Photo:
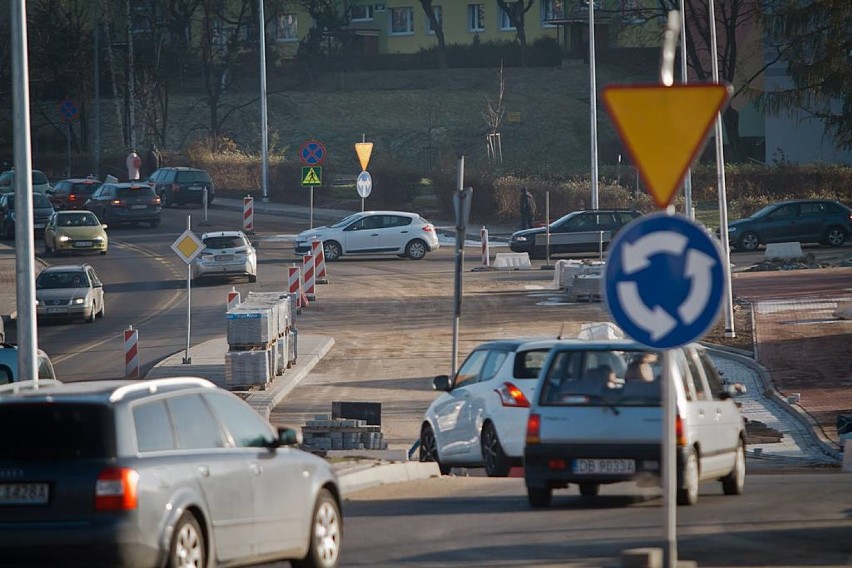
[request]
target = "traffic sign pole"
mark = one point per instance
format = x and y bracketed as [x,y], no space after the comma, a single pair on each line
[187,359]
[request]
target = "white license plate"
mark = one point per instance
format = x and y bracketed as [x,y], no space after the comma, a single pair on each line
[24,493]
[223,257]
[142,206]
[57,310]
[194,188]
[604,466]
[81,244]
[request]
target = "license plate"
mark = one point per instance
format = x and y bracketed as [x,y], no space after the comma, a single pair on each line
[24,493]
[194,188]
[604,466]
[57,310]
[81,244]
[38,225]
[223,257]
[141,206]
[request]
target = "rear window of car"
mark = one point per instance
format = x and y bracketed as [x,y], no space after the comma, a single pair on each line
[39,201]
[529,363]
[138,191]
[193,176]
[223,242]
[85,188]
[51,431]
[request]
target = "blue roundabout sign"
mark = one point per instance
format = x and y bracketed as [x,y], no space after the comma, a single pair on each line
[664,280]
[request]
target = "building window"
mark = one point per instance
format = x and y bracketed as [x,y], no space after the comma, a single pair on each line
[552,10]
[362,13]
[402,21]
[476,17]
[439,16]
[505,20]
[287,28]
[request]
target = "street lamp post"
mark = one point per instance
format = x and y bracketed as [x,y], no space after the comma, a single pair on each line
[263,117]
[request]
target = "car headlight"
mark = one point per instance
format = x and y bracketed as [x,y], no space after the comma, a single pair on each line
[78,301]
[98,239]
[520,238]
[732,230]
[64,238]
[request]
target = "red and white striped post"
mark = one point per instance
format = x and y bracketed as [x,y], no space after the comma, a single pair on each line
[319,262]
[248,213]
[131,353]
[233,298]
[309,277]
[295,287]
[486,257]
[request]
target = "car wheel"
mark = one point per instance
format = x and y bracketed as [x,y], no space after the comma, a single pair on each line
[688,493]
[91,318]
[331,250]
[734,482]
[415,250]
[536,253]
[835,237]
[749,241]
[166,199]
[47,249]
[102,311]
[103,252]
[429,449]
[590,489]
[252,277]
[497,464]
[326,534]
[539,497]
[187,549]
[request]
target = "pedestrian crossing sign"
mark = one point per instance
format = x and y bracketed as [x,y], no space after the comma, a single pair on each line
[312,175]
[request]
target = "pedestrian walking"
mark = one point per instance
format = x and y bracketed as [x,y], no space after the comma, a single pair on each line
[153,159]
[527,208]
[134,163]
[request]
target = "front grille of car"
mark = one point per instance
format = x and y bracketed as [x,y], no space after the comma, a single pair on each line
[55,302]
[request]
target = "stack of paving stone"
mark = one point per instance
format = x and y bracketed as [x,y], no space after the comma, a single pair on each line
[327,433]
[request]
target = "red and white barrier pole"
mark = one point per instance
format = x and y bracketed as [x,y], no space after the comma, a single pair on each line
[295,287]
[319,262]
[483,236]
[248,213]
[131,353]
[233,299]
[309,277]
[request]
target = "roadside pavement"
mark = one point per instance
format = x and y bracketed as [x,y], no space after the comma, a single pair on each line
[803,441]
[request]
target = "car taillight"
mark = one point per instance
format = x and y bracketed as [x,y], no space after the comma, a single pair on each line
[428,228]
[117,202]
[680,438]
[175,187]
[155,201]
[510,395]
[534,429]
[72,197]
[116,489]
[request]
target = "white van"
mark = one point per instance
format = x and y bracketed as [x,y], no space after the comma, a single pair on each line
[597,419]
[9,365]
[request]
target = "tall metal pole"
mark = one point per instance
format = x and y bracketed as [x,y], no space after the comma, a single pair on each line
[24,241]
[720,182]
[264,152]
[187,359]
[593,96]
[96,166]
[687,182]
[131,83]
[458,269]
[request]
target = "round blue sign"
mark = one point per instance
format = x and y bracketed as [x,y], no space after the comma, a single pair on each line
[664,280]
[312,153]
[68,110]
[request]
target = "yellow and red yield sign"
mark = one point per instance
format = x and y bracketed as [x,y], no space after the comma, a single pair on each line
[664,128]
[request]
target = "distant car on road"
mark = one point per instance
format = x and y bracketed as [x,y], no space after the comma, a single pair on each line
[130,202]
[75,231]
[586,231]
[72,193]
[69,291]
[164,472]
[820,221]
[373,232]
[226,253]
[42,210]
[182,185]
[39,180]
[480,417]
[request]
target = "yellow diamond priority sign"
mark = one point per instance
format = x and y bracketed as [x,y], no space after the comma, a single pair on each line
[188,246]
[664,128]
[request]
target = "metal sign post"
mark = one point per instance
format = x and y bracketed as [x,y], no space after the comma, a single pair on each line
[187,247]
[461,203]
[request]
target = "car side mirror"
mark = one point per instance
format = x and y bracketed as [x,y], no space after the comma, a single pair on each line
[288,437]
[104,226]
[441,383]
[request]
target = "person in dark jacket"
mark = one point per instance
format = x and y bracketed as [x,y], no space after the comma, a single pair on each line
[153,160]
[527,207]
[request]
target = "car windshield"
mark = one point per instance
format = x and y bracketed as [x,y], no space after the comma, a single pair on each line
[223,242]
[39,201]
[55,431]
[81,219]
[346,220]
[62,279]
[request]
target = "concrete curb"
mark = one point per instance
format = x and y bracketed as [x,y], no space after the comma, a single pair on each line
[384,473]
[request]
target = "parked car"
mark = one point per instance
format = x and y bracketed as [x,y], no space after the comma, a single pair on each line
[480,417]
[373,232]
[130,202]
[181,185]
[597,413]
[72,193]
[800,220]
[587,231]
[75,231]
[162,472]
[226,253]
[42,210]
[40,182]
[9,364]
[69,291]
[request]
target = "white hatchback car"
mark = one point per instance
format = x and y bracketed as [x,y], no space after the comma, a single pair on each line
[597,418]
[480,418]
[226,253]
[373,232]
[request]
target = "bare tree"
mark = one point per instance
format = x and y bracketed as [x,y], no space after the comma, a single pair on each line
[437,26]
[495,109]
[516,11]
